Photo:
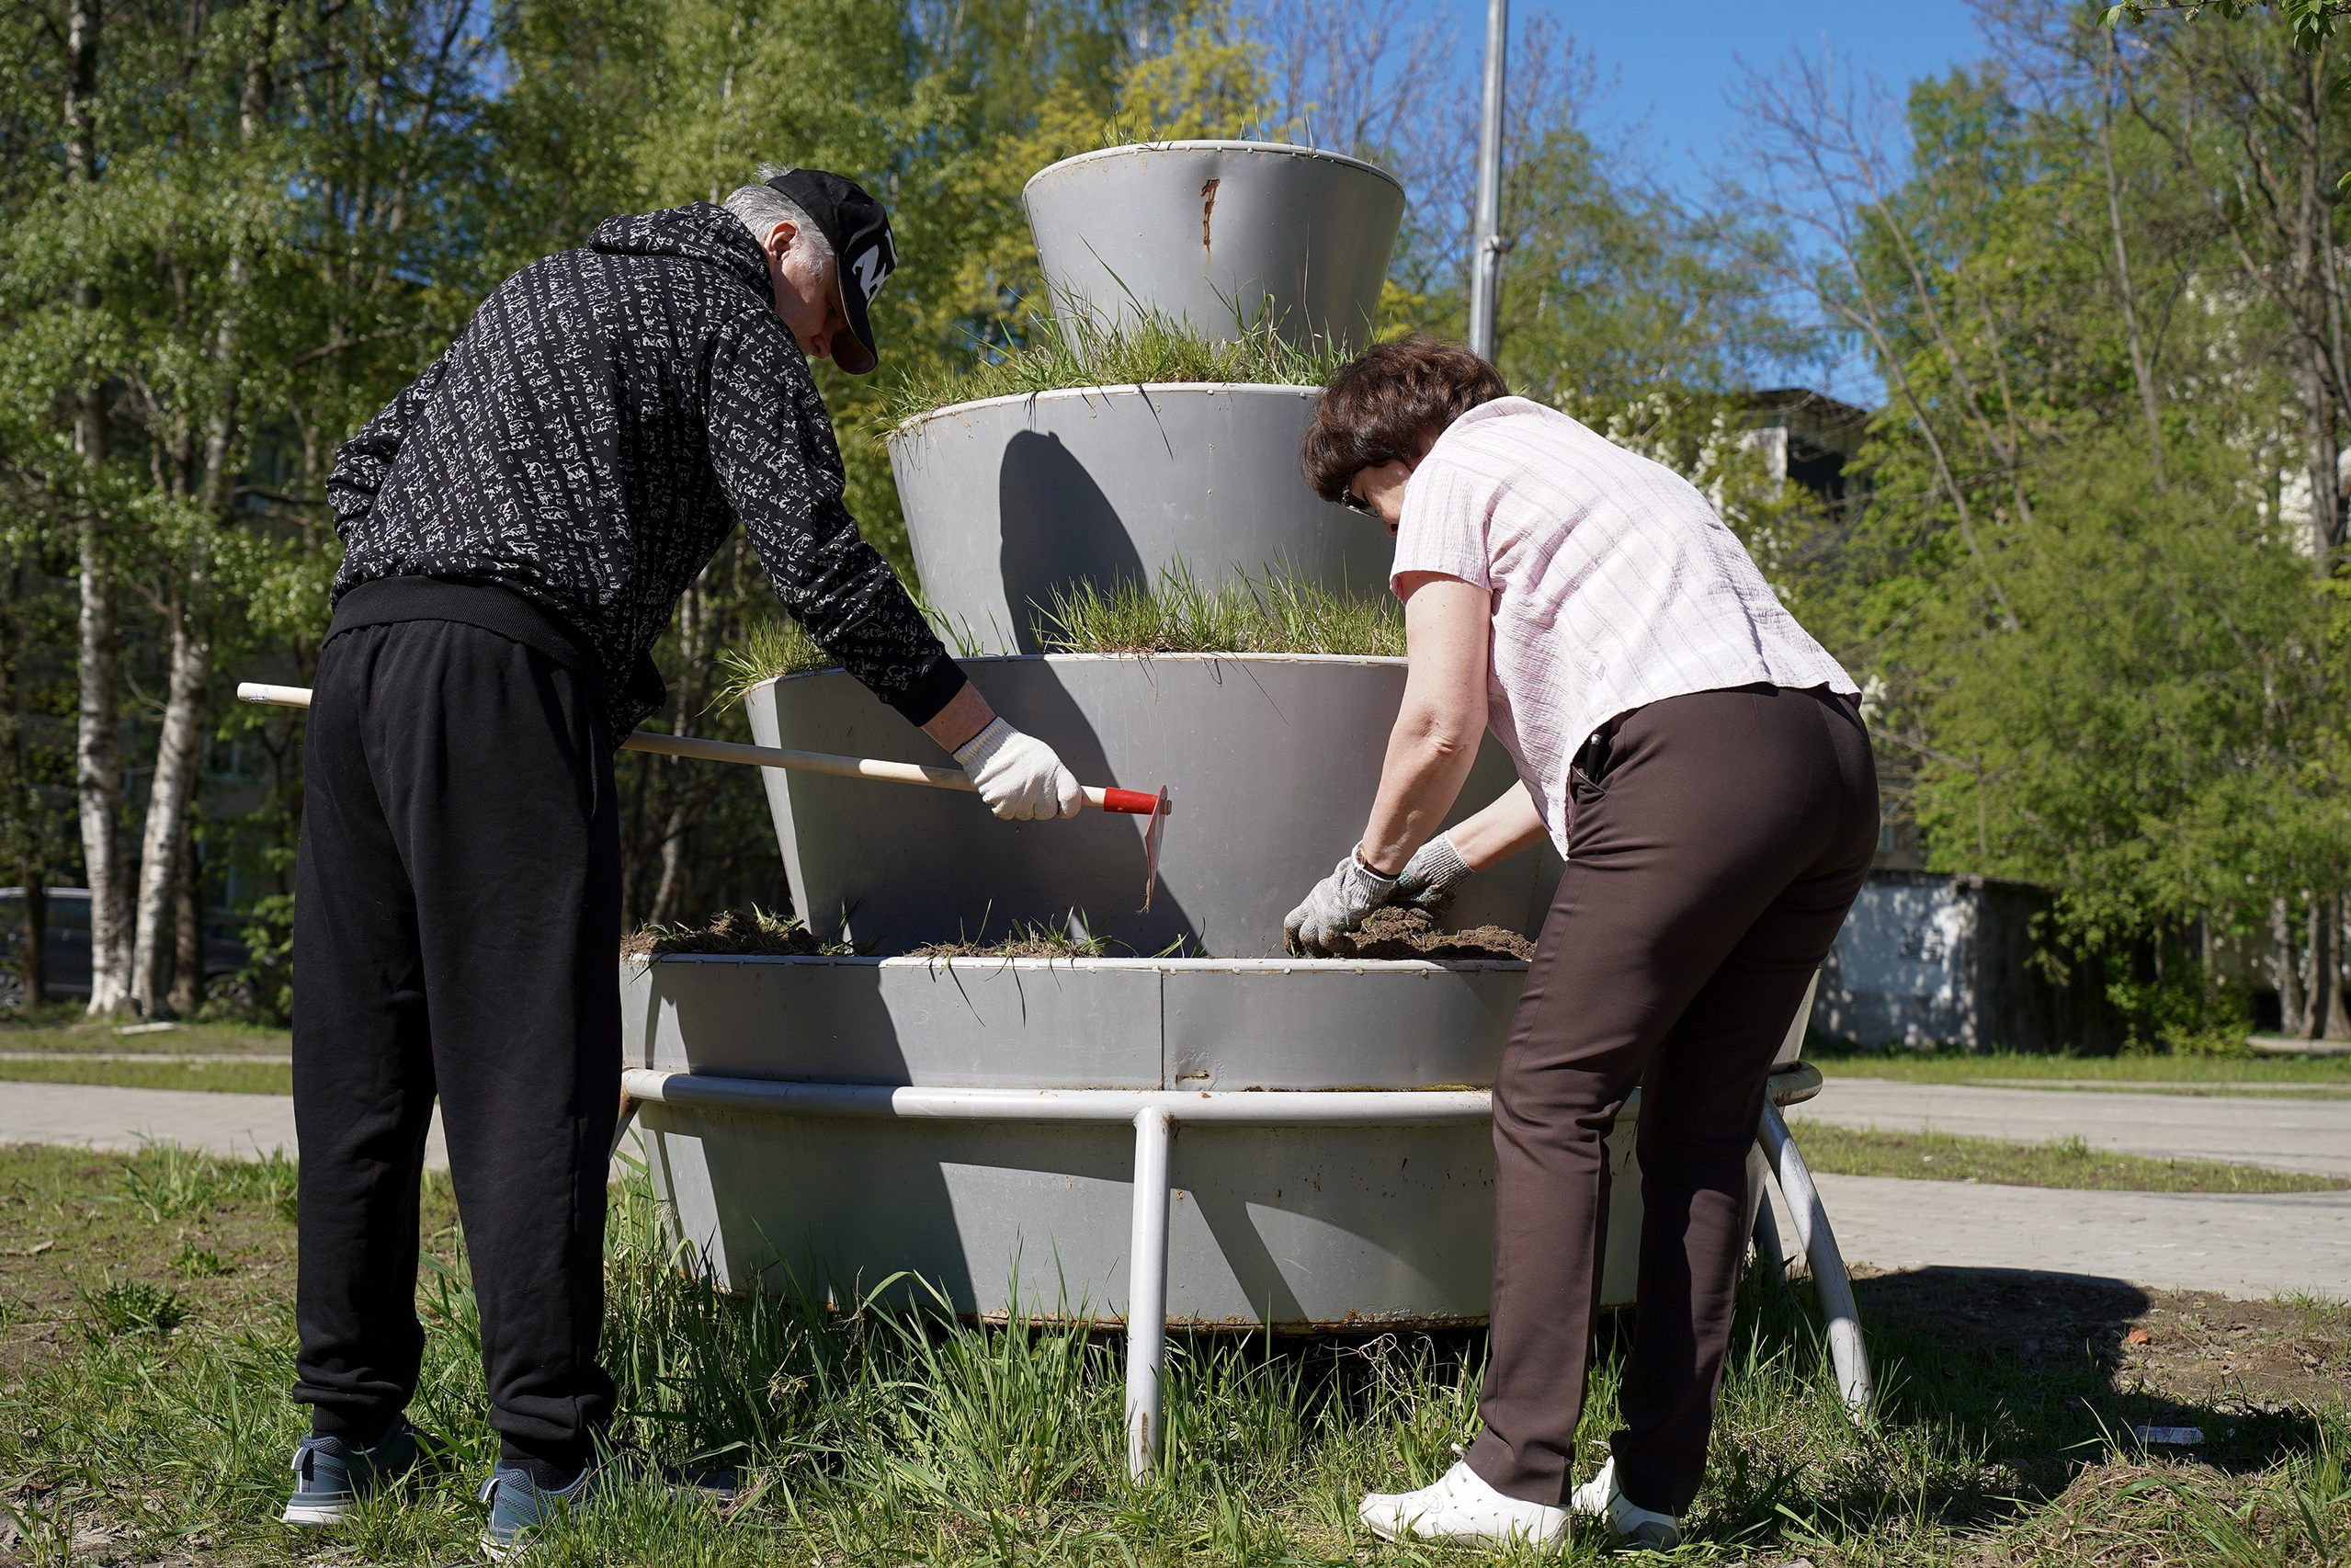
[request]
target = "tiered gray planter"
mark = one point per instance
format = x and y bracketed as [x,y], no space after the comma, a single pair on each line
[1272,762]
[1218,232]
[1008,1130]
[1010,499]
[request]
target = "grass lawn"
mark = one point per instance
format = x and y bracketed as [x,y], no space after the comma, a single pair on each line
[218,1078]
[2325,1075]
[63,1029]
[146,1344]
[2068,1162]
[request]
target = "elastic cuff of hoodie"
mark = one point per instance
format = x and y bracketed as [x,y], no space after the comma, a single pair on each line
[928,695]
[383,601]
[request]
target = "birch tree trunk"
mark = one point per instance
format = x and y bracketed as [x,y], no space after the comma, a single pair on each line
[2327,1018]
[187,924]
[171,797]
[2288,966]
[2338,1021]
[97,745]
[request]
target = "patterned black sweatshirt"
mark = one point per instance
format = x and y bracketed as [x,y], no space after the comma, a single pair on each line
[590,436]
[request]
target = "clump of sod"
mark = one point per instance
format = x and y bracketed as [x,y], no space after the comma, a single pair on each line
[751,930]
[1088,350]
[1026,941]
[1396,933]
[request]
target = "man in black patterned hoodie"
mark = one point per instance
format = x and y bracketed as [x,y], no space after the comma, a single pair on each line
[517,526]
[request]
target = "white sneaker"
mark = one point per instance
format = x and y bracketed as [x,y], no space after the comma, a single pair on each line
[1599,1498]
[1460,1508]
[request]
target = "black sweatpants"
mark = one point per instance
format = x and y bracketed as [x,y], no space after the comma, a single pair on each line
[1709,866]
[457,918]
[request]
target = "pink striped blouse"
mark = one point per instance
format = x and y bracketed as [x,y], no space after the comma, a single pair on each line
[1613,584]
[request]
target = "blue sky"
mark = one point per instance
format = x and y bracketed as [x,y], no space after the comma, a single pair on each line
[1675,61]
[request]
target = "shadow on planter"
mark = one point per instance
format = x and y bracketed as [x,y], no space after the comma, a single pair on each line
[1058,531]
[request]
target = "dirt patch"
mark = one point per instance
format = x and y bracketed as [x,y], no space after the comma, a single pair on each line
[2188,1348]
[1413,934]
[750,930]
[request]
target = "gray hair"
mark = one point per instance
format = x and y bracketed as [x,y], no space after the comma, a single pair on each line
[761,208]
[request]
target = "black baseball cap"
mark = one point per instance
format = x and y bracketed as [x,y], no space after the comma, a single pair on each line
[858,231]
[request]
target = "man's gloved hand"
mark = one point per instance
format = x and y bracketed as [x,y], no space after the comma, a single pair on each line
[1430,877]
[1018,776]
[1340,903]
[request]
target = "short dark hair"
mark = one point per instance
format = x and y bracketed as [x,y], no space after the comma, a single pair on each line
[1389,405]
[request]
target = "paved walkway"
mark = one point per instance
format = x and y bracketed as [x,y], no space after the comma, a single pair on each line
[2294,1135]
[2238,1245]
[2231,1243]
[89,1117]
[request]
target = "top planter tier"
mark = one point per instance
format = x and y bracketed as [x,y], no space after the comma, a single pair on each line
[1218,232]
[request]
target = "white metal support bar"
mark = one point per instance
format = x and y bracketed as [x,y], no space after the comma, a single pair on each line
[1813,1233]
[1153,1113]
[1147,1292]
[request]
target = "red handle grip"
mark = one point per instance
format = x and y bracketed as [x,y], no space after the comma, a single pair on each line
[1134,802]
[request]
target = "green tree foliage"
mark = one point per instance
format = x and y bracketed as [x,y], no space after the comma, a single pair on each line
[2097,592]
[2311,22]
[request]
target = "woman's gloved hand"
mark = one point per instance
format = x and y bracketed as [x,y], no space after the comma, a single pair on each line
[1430,877]
[1019,775]
[1340,903]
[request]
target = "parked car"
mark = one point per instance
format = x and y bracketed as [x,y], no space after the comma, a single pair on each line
[68,949]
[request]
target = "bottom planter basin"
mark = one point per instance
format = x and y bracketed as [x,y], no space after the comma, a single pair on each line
[1295,1227]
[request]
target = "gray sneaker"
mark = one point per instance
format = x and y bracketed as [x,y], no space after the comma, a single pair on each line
[519,1505]
[331,1475]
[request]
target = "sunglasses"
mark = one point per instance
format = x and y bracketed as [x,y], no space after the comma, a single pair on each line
[1349,499]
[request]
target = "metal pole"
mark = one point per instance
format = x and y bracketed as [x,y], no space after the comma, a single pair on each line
[1829,1279]
[1485,256]
[1147,1292]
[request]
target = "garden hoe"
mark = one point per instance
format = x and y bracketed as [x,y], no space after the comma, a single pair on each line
[1131,802]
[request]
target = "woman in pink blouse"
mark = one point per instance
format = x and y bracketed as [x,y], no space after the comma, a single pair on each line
[1701,761]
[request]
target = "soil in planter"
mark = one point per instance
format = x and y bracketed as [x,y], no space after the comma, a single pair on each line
[1413,934]
[1389,934]
[750,930]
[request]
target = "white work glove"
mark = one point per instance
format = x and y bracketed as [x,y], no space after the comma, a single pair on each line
[1429,877]
[1018,776]
[1340,903]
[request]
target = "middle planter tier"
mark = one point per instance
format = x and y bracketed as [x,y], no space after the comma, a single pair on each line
[1011,498]
[1271,760]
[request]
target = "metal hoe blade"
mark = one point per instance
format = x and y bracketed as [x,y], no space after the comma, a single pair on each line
[1150,846]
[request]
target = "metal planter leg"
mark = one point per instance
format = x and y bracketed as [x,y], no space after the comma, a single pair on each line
[1147,1292]
[1813,1233]
[1771,1256]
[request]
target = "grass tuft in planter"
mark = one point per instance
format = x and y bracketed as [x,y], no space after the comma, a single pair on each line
[1091,350]
[774,648]
[771,648]
[1279,613]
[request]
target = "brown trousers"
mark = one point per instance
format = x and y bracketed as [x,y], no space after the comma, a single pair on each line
[1709,866]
